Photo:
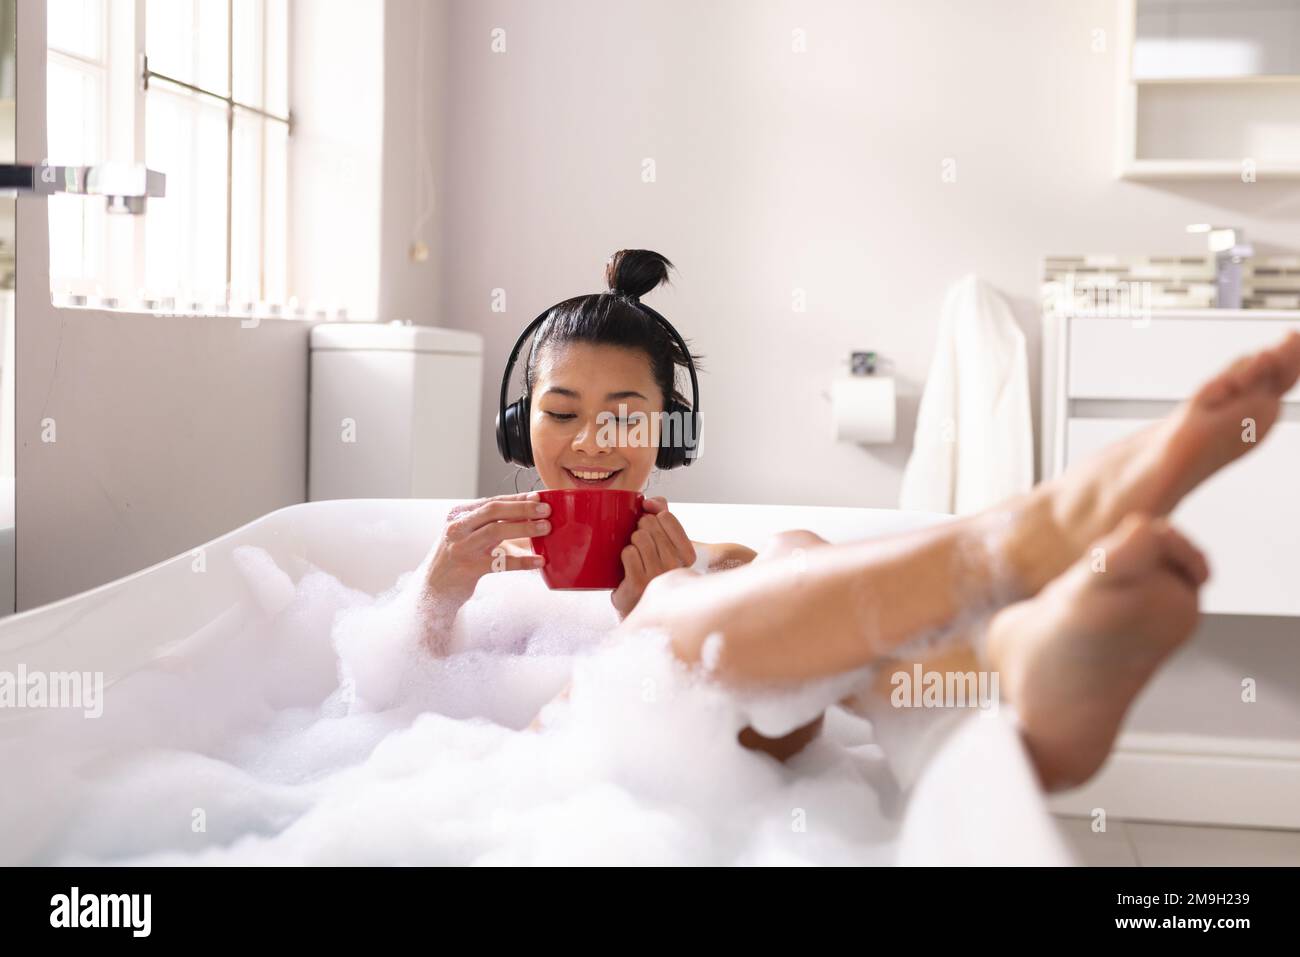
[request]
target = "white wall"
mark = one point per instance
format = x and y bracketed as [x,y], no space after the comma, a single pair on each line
[414,51]
[779,170]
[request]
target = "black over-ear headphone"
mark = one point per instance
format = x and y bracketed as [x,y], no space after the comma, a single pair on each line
[676,448]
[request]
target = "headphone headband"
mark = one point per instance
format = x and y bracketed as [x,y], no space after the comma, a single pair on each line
[691,442]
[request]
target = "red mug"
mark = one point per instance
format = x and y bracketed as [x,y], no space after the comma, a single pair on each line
[590,527]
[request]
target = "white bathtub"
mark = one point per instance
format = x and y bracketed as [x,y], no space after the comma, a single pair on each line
[976,801]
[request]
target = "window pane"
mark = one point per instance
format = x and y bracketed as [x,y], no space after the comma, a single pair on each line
[179,247]
[277,56]
[276,205]
[74,113]
[77,26]
[76,249]
[246,211]
[75,130]
[186,39]
[185,233]
[247,51]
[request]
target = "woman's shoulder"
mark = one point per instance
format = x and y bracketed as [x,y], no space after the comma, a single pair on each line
[719,556]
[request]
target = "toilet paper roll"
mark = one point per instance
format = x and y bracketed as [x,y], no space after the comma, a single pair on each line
[862,408]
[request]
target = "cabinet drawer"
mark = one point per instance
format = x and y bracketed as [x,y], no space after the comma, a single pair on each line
[1246,518]
[1161,358]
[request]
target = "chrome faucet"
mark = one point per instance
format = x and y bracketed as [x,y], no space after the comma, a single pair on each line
[1228,243]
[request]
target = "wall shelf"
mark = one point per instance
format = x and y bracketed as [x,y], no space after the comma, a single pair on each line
[1243,128]
[1162,169]
[1176,80]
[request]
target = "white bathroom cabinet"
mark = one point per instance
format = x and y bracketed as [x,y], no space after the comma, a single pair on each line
[1105,378]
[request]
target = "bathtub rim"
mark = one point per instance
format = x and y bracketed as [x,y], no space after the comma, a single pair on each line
[923,519]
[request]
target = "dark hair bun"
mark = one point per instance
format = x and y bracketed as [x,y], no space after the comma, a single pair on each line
[634,272]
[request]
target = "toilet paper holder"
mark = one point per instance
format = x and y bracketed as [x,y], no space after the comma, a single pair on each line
[863,404]
[862,363]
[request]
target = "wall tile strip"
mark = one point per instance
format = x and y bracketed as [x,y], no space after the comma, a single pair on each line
[1168,281]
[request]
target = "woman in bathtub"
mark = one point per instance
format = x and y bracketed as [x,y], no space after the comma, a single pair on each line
[1074,638]
[595,357]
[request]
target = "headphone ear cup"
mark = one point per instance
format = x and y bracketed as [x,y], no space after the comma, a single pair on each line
[503,447]
[514,441]
[675,446]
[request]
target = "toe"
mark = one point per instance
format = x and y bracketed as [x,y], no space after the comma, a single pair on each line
[1263,371]
[1224,386]
[1287,356]
[1273,370]
[1183,557]
[1141,544]
[1276,369]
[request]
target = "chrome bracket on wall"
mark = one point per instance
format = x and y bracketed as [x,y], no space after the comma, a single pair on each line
[126,186]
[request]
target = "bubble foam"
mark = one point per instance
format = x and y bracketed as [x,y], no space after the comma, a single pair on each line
[318,730]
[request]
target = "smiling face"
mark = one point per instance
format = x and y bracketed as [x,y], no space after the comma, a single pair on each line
[580,392]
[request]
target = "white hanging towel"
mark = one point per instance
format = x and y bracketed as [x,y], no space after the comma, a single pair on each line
[974,443]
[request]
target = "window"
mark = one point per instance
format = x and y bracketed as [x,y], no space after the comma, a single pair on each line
[197,89]
[78,111]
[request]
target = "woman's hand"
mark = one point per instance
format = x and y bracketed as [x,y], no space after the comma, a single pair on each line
[471,543]
[659,545]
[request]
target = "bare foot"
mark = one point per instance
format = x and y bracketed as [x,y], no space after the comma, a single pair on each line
[1072,660]
[1151,472]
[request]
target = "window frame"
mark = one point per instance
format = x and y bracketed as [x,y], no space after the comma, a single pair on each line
[123,133]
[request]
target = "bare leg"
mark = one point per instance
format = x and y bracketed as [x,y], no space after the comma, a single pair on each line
[786,746]
[832,609]
[1072,659]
